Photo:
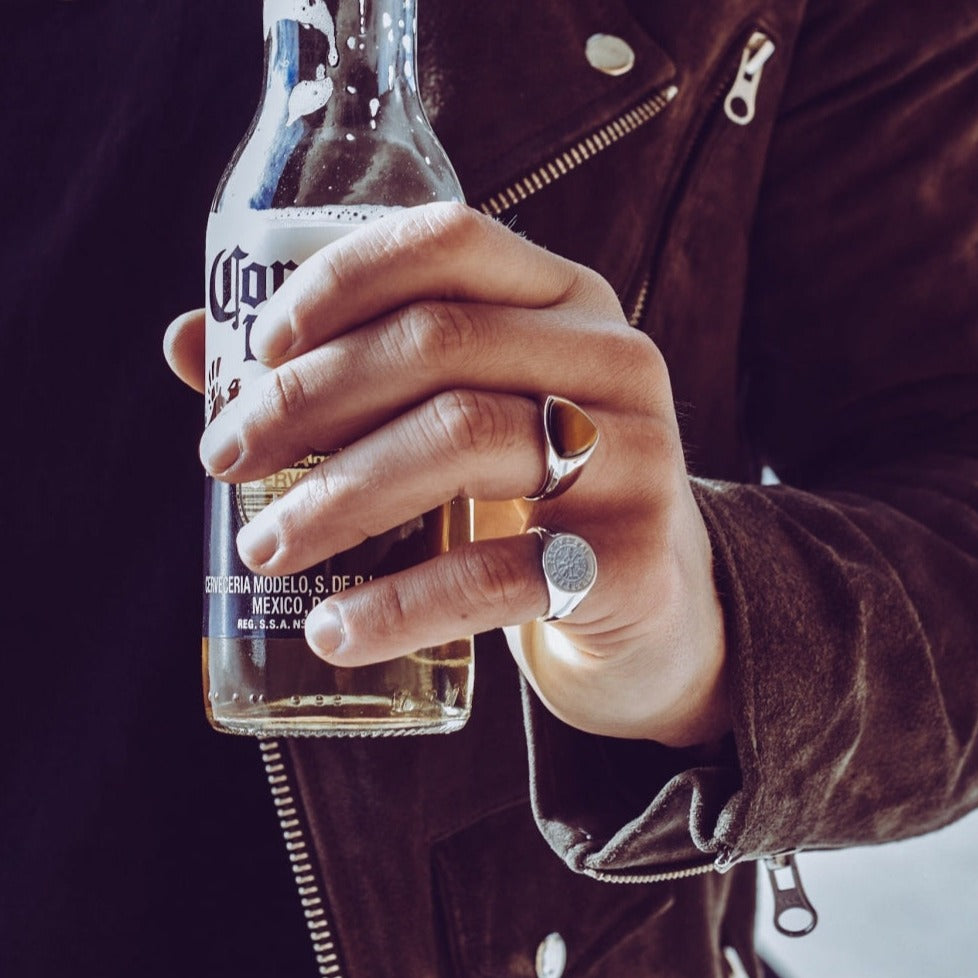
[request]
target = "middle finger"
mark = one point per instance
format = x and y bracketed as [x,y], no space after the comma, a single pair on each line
[330,396]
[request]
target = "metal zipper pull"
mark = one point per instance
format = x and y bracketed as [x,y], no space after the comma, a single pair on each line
[789,897]
[741,100]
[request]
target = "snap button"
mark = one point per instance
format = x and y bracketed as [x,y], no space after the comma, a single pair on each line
[551,957]
[609,54]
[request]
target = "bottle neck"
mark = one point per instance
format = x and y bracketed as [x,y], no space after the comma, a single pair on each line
[341,121]
[354,70]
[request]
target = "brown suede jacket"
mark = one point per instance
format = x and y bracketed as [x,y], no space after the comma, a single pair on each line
[808,268]
[810,276]
[811,279]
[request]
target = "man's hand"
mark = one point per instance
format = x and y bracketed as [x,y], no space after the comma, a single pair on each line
[424,344]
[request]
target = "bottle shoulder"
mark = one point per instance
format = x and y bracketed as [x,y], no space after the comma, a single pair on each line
[281,164]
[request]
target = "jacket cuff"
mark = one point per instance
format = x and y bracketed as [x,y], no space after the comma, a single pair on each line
[590,797]
[834,683]
[634,809]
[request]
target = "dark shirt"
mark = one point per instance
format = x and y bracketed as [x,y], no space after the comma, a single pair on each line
[136,841]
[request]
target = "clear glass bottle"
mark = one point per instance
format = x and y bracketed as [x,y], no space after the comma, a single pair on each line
[340,138]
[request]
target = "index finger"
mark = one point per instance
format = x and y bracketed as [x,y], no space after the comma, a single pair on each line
[438,251]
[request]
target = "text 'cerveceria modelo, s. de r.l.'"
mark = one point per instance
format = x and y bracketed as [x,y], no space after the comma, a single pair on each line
[316,585]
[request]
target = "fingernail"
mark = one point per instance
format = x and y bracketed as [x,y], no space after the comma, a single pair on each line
[258,542]
[219,448]
[325,632]
[271,339]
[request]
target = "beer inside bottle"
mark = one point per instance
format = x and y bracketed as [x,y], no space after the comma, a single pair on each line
[340,139]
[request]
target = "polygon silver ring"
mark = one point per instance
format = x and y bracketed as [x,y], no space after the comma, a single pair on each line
[570,568]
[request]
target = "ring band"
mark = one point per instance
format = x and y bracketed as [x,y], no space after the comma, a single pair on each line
[570,568]
[570,436]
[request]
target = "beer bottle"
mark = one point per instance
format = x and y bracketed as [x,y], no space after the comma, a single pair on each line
[339,138]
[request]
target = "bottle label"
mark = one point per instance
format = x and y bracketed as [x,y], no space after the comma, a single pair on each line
[249,256]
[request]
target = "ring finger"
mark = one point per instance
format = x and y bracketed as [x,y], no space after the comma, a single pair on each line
[459,443]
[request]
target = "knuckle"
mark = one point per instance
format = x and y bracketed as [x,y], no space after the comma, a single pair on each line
[593,290]
[468,422]
[285,396]
[288,529]
[645,378]
[323,273]
[451,223]
[326,488]
[659,453]
[482,581]
[387,607]
[643,354]
[435,228]
[319,488]
[429,337]
[326,268]
[441,334]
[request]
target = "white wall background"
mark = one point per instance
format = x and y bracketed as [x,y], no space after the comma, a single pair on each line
[904,910]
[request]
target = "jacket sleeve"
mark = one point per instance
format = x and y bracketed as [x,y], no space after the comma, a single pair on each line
[851,588]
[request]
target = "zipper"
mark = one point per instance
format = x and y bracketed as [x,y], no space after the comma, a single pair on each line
[312,897]
[741,100]
[583,150]
[791,897]
[665,877]
[788,897]
[738,92]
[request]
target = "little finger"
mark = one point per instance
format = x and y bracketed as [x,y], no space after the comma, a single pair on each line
[464,592]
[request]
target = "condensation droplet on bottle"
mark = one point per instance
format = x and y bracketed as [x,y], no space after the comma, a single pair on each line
[253,698]
[296,700]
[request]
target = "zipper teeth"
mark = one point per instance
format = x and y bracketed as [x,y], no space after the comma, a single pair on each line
[676,874]
[714,100]
[638,308]
[582,151]
[310,894]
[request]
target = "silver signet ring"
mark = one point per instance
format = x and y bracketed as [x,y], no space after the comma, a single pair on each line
[570,568]
[570,436]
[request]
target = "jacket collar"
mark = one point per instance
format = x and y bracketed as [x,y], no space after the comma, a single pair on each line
[534,54]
